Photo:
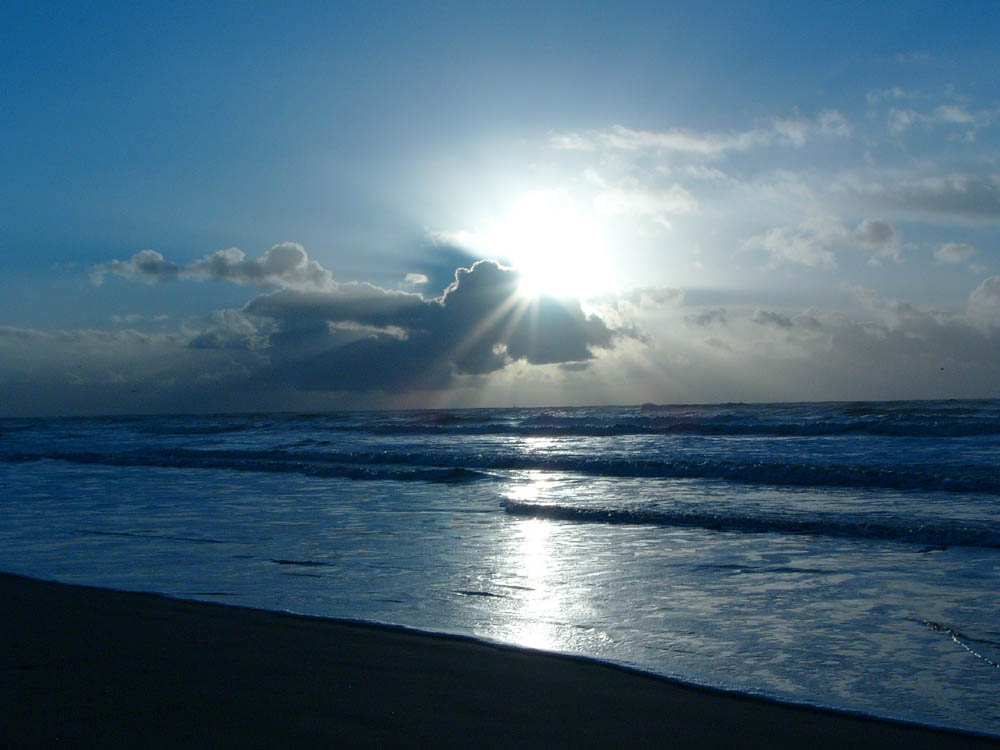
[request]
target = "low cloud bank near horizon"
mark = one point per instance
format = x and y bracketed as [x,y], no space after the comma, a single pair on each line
[318,334]
[310,342]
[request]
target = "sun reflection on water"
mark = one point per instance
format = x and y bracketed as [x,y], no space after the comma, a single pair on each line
[536,623]
[532,566]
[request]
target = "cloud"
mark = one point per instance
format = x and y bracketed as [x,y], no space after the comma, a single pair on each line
[984,302]
[145,265]
[953,114]
[954,252]
[705,318]
[793,131]
[639,201]
[964,194]
[790,245]
[876,235]
[770,318]
[284,266]
[901,120]
[661,296]
[832,122]
[229,329]
[361,337]
[323,335]
[816,243]
[892,350]
[675,139]
[876,96]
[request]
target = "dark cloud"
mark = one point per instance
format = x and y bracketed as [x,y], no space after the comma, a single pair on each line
[707,317]
[321,335]
[438,263]
[362,337]
[967,195]
[877,234]
[768,318]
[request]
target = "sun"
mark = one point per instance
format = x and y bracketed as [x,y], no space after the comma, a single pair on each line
[558,248]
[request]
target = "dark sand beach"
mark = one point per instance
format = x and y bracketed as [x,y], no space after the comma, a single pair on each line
[87,666]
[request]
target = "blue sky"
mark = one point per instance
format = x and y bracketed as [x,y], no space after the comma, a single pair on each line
[259,206]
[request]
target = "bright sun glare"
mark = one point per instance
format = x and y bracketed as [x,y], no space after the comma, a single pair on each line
[559,249]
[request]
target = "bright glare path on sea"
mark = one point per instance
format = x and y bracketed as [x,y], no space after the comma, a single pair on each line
[823,619]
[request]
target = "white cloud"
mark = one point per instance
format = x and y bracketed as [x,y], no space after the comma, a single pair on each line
[284,266]
[953,114]
[832,122]
[793,131]
[875,96]
[815,243]
[954,252]
[790,245]
[984,302]
[900,120]
[638,201]
[146,265]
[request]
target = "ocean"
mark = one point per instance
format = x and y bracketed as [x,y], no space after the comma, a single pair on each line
[836,554]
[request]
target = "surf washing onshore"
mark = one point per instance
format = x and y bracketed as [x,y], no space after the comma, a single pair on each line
[835,555]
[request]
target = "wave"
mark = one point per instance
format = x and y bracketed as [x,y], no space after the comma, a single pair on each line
[917,419]
[239,462]
[931,534]
[581,427]
[461,466]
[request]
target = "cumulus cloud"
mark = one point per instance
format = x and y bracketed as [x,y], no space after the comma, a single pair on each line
[146,265]
[875,234]
[284,266]
[984,302]
[954,252]
[358,336]
[791,245]
[323,335]
[816,243]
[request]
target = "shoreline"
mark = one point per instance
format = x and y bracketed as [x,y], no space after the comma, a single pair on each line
[82,665]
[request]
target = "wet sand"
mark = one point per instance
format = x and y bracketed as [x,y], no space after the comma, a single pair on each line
[87,666]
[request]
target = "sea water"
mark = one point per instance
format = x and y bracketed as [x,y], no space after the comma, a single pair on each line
[839,554]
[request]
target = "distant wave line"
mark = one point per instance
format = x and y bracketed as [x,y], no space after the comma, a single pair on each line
[444,466]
